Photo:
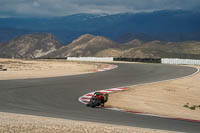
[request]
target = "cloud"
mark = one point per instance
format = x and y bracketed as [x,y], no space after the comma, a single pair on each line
[67,7]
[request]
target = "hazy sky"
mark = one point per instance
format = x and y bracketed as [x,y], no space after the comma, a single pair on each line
[67,7]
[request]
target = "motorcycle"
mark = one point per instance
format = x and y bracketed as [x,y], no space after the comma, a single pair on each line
[94,101]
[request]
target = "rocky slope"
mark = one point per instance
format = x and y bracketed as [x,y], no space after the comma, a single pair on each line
[157,49]
[30,46]
[86,45]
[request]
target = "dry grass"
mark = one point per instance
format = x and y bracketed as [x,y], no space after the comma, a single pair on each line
[164,98]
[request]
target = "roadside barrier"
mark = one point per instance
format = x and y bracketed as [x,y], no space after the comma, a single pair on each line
[180,61]
[90,58]
[161,60]
[146,60]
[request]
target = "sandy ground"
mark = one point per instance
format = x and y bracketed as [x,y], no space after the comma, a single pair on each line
[23,69]
[12,123]
[165,98]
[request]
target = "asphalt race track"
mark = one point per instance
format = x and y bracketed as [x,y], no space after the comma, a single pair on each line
[58,97]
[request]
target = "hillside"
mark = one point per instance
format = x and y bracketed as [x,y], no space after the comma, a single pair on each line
[157,49]
[30,46]
[90,45]
[86,45]
[46,46]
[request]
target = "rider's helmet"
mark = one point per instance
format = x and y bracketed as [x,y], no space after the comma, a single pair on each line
[97,93]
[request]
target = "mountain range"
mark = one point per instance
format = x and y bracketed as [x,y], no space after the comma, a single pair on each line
[174,25]
[47,46]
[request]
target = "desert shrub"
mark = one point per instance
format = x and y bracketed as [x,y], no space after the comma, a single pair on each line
[193,107]
[186,106]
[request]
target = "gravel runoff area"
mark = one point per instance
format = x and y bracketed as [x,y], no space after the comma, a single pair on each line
[17,123]
[177,98]
[23,69]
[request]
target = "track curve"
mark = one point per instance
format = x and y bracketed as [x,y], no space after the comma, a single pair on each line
[57,97]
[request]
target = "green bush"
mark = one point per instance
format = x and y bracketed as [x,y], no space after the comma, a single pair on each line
[193,107]
[186,106]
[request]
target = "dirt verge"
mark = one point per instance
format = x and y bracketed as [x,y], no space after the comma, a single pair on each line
[16,123]
[173,98]
[23,69]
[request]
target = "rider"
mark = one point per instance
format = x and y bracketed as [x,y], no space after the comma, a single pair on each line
[102,97]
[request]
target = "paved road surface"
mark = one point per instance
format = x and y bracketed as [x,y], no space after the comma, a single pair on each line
[58,97]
